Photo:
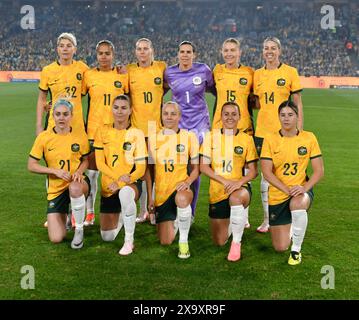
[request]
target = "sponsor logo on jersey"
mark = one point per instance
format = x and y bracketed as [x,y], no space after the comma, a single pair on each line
[281,82]
[118,84]
[238,150]
[127,146]
[197,81]
[302,151]
[157,80]
[79,76]
[243,81]
[75,147]
[180,148]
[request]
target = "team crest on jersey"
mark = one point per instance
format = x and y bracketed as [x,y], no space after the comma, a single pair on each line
[197,81]
[75,147]
[238,150]
[302,151]
[79,76]
[127,146]
[180,148]
[243,81]
[281,82]
[118,84]
[157,80]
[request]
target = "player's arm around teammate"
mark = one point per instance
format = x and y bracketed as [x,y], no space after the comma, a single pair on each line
[284,160]
[171,151]
[121,158]
[65,154]
[224,154]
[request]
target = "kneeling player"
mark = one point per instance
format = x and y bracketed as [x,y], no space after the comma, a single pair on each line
[224,155]
[121,154]
[66,157]
[173,151]
[284,159]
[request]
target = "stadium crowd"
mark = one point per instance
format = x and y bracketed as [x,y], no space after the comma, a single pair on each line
[313,50]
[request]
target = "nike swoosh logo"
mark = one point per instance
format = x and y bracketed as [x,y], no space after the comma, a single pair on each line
[54,82]
[50,149]
[276,152]
[132,82]
[106,143]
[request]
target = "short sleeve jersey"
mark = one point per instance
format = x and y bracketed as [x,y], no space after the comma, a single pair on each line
[65,82]
[171,154]
[102,87]
[272,88]
[228,155]
[146,90]
[122,150]
[233,85]
[60,152]
[290,157]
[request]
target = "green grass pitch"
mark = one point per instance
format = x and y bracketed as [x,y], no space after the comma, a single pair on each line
[155,272]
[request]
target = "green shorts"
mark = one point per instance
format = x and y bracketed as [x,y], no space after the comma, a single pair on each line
[280,214]
[61,203]
[222,209]
[168,210]
[112,204]
[258,143]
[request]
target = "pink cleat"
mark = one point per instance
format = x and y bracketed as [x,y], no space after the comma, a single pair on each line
[126,249]
[247,225]
[235,252]
[142,217]
[263,228]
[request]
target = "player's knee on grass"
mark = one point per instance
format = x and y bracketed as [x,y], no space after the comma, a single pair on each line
[108,235]
[56,238]
[282,247]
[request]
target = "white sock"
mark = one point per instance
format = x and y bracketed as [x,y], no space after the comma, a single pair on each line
[246,214]
[128,209]
[90,202]
[143,198]
[110,235]
[299,225]
[78,210]
[246,210]
[264,196]
[175,226]
[184,222]
[237,222]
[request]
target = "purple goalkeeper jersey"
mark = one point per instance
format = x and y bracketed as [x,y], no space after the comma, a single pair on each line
[188,90]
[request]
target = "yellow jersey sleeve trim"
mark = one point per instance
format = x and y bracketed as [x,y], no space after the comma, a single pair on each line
[266,158]
[31,156]
[318,156]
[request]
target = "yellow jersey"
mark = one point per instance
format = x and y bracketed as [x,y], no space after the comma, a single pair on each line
[272,88]
[290,157]
[228,155]
[146,91]
[62,81]
[102,87]
[233,85]
[122,151]
[171,154]
[60,152]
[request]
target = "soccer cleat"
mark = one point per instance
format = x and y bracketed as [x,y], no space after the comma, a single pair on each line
[142,217]
[183,252]
[235,252]
[45,224]
[263,228]
[78,240]
[294,258]
[247,225]
[90,219]
[126,249]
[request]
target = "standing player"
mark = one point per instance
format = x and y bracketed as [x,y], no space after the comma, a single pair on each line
[234,82]
[102,84]
[224,154]
[285,158]
[146,90]
[65,154]
[274,83]
[62,78]
[121,157]
[188,82]
[171,151]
